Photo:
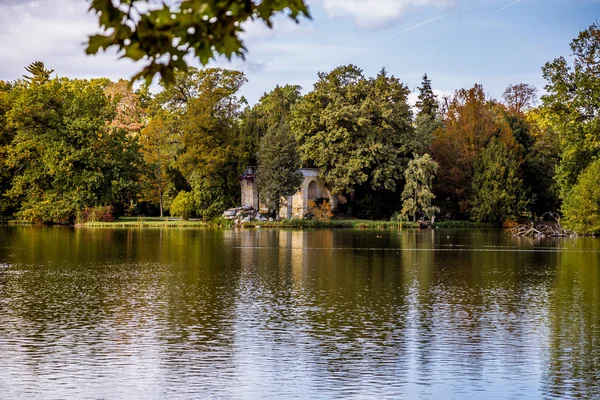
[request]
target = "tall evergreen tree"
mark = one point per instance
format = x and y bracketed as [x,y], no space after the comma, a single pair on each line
[271,109]
[278,174]
[427,103]
[497,188]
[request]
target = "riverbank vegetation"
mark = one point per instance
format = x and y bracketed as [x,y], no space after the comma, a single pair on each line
[336,223]
[76,151]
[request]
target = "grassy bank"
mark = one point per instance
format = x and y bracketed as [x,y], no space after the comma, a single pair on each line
[154,222]
[334,223]
[146,222]
[349,223]
[364,224]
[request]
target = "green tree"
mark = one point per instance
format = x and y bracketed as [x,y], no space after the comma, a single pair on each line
[540,163]
[159,147]
[175,96]
[272,108]
[417,195]
[425,128]
[64,156]
[497,189]
[166,34]
[8,95]
[183,205]
[357,131]
[278,166]
[39,73]
[581,207]
[573,102]
[427,103]
[210,156]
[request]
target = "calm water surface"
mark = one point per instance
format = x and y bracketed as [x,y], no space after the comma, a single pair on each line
[103,313]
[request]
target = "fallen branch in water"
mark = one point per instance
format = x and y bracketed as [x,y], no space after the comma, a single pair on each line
[542,229]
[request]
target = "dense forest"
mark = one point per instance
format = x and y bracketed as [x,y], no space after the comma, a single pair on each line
[74,150]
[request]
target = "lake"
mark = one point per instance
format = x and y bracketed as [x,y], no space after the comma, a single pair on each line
[260,313]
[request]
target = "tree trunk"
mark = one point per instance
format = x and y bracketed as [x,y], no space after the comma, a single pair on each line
[160,191]
[161,202]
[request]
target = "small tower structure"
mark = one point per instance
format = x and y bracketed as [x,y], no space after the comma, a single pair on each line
[249,190]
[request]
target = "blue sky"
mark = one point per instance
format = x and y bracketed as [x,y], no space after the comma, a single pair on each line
[456,42]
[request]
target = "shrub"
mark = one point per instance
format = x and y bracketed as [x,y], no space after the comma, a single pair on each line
[397,216]
[183,205]
[321,212]
[96,214]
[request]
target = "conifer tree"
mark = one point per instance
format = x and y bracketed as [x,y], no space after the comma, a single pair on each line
[498,191]
[427,103]
[278,159]
[39,73]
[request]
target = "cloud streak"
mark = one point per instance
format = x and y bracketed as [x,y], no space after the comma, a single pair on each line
[508,5]
[420,24]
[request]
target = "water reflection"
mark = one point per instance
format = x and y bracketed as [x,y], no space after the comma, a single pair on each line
[267,313]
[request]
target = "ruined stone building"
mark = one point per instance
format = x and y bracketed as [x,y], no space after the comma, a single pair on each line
[295,206]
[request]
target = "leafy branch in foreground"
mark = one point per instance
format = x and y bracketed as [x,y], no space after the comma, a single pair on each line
[164,34]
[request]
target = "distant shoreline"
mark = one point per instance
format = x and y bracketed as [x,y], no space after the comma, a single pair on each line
[168,222]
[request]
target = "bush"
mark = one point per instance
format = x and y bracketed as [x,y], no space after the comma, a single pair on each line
[52,209]
[397,216]
[321,212]
[96,214]
[183,205]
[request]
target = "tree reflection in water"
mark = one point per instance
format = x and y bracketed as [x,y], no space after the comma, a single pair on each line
[313,313]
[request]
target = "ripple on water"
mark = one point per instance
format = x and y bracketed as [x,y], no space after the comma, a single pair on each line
[247,315]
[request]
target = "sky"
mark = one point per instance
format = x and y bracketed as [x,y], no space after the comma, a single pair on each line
[456,42]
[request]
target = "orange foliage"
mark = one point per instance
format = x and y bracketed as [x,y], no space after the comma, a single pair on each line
[470,123]
[130,115]
[321,212]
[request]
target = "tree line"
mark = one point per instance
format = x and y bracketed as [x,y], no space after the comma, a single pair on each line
[68,146]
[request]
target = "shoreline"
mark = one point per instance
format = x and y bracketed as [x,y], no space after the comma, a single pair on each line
[167,222]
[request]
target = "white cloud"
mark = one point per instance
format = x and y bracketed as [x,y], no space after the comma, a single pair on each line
[55,32]
[376,13]
[257,30]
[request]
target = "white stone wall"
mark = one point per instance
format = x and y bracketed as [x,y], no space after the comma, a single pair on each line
[249,193]
[312,188]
